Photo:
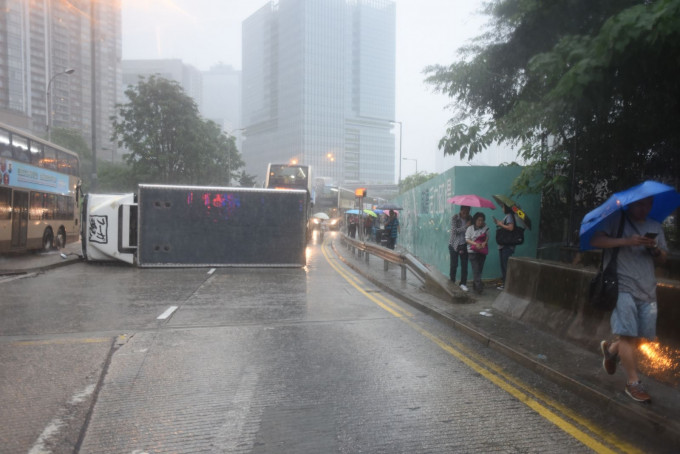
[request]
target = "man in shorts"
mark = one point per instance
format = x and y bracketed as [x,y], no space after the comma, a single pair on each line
[642,245]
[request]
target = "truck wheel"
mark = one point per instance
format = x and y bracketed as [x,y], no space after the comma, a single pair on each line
[48,239]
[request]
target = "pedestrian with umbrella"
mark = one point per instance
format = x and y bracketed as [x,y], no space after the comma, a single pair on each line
[460,222]
[628,227]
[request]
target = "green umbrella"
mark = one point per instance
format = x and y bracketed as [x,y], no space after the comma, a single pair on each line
[514,206]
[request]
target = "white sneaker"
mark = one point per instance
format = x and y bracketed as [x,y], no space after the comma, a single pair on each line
[464,288]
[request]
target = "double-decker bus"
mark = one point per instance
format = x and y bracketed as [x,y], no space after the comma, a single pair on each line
[39,189]
[289,176]
[292,176]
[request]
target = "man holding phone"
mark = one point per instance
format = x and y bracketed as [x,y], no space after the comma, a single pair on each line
[642,245]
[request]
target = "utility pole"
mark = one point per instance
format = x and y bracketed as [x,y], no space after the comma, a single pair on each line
[93,81]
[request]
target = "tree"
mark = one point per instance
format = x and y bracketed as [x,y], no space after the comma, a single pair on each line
[414,180]
[587,91]
[168,140]
[117,177]
[246,180]
[220,160]
[73,140]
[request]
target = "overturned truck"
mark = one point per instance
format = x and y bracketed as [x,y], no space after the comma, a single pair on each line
[191,226]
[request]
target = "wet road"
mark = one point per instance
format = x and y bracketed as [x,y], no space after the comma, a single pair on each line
[111,359]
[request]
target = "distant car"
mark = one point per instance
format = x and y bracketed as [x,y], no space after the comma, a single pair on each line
[333,223]
[316,223]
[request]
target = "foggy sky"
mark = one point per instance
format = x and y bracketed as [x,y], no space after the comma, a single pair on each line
[203,33]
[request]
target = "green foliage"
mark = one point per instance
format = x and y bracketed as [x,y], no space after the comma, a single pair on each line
[73,140]
[117,177]
[414,180]
[168,140]
[587,91]
[246,180]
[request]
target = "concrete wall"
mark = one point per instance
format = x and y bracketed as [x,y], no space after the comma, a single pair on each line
[553,297]
[426,218]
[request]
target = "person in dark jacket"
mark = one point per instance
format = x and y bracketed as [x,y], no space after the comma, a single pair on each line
[392,228]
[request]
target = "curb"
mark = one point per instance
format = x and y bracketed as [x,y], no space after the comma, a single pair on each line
[38,269]
[659,425]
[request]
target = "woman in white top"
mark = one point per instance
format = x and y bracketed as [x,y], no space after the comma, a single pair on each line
[477,239]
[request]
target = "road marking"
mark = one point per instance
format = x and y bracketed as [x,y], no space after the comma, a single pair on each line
[87,340]
[378,298]
[11,278]
[42,444]
[212,270]
[567,420]
[167,313]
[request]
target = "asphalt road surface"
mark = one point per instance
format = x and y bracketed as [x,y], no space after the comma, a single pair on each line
[116,359]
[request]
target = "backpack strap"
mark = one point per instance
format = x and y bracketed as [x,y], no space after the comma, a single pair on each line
[615,251]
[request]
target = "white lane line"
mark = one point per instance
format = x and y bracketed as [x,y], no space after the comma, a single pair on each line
[167,313]
[48,436]
[40,446]
[212,270]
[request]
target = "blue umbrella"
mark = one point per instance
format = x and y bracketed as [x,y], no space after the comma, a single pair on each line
[666,199]
[352,212]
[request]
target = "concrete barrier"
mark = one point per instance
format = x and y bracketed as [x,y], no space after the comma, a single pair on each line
[553,297]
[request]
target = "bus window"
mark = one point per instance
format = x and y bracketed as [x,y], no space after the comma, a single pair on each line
[67,163]
[5,203]
[62,162]
[288,176]
[5,147]
[20,148]
[49,160]
[49,206]
[64,211]
[36,153]
[36,208]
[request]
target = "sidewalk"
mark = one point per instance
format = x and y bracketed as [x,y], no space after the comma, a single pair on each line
[561,361]
[33,262]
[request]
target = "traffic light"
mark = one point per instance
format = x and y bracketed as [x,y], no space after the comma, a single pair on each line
[360,192]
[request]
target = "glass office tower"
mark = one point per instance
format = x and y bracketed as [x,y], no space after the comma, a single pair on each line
[318,88]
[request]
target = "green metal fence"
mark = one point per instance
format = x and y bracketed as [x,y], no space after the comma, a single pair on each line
[426,218]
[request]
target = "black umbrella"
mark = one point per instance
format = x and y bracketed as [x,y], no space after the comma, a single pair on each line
[389,206]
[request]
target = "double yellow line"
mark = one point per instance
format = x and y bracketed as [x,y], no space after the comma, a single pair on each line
[587,432]
[64,341]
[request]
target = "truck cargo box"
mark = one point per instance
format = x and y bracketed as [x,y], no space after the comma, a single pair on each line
[179,226]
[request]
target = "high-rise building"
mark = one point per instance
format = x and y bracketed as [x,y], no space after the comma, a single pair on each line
[188,77]
[40,42]
[222,97]
[319,88]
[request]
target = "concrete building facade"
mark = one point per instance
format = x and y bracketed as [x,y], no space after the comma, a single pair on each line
[188,77]
[319,88]
[39,41]
[222,97]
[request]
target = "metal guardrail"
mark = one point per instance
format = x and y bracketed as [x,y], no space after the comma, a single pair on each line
[367,249]
[432,279]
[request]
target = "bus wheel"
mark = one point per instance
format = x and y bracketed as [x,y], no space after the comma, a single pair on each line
[48,240]
[61,239]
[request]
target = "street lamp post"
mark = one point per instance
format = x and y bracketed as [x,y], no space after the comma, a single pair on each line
[67,71]
[401,127]
[412,159]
